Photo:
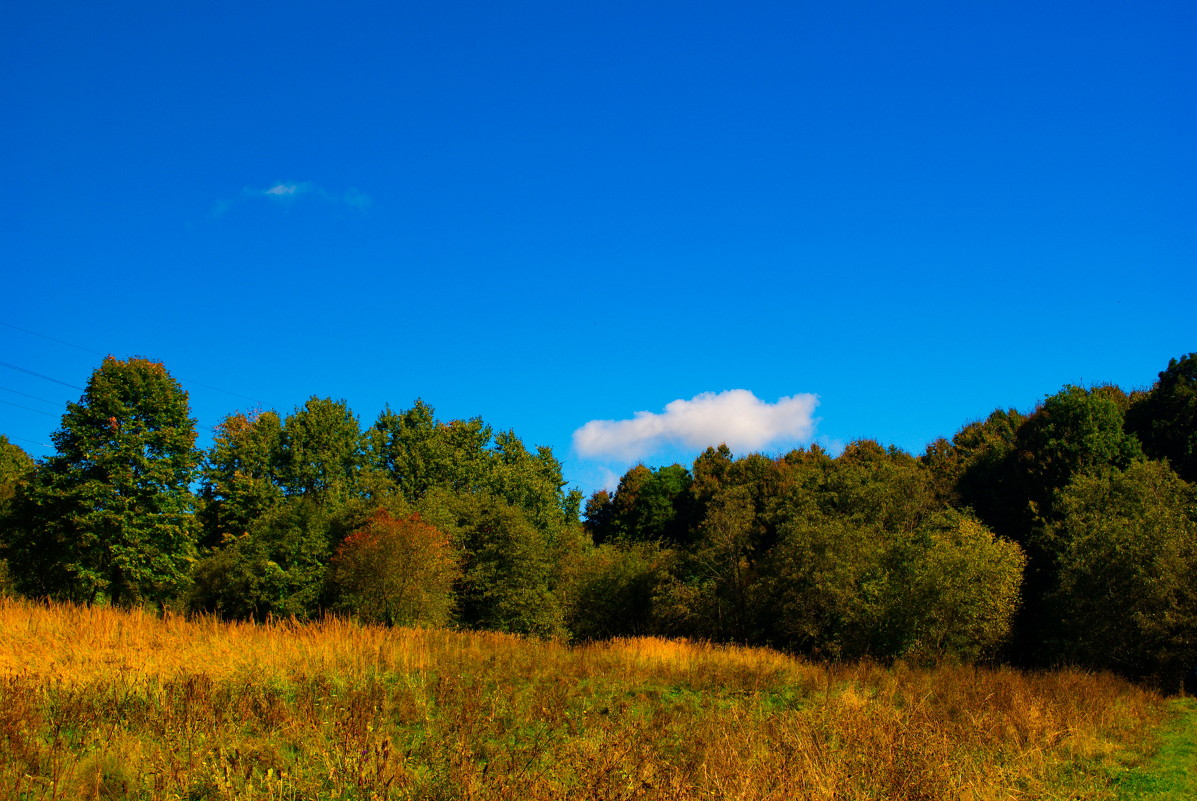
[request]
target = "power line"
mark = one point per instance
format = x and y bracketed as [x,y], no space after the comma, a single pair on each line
[52,339]
[28,408]
[26,439]
[98,353]
[27,395]
[39,375]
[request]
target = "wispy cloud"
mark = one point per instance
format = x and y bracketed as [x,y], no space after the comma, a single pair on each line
[287,192]
[735,417]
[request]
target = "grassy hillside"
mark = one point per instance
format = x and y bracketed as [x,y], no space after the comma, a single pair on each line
[100,703]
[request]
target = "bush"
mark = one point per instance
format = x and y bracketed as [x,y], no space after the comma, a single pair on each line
[397,571]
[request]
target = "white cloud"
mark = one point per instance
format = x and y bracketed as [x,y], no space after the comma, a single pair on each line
[287,190]
[735,417]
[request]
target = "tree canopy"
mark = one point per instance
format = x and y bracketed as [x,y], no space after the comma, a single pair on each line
[1066,533]
[111,514]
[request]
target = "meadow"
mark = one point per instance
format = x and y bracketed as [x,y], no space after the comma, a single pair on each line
[100,703]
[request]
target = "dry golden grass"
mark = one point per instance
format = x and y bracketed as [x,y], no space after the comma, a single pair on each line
[102,703]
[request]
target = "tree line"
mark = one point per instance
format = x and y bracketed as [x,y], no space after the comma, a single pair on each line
[1067,534]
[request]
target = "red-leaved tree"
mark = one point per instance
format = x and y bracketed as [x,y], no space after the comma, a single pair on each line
[397,571]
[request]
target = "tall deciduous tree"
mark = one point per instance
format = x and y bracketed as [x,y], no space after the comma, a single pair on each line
[111,514]
[1077,431]
[321,450]
[240,474]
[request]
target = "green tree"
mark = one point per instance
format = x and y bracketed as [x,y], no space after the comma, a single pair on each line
[111,514]
[597,518]
[709,475]
[398,571]
[278,567]
[511,575]
[1125,544]
[1166,418]
[710,594]
[612,587]
[532,482]
[239,476]
[801,492]
[321,450]
[952,591]
[15,466]
[982,466]
[1077,431]
[871,485]
[650,505]
[401,445]
[823,587]
[420,453]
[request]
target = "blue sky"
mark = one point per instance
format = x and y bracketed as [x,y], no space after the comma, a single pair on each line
[547,214]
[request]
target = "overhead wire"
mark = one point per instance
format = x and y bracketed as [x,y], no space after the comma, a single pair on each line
[26,439]
[75,386]
[27,395]
[39,375]
[52,339]
[99,353]
[28,408]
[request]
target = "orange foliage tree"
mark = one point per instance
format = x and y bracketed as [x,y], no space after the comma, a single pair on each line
[397,571]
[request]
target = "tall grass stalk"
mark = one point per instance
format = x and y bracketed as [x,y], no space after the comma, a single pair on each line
[103,703]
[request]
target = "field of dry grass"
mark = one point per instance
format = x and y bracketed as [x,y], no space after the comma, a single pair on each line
[107,704]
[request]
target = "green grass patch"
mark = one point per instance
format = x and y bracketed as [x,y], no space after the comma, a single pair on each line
[1171,774]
